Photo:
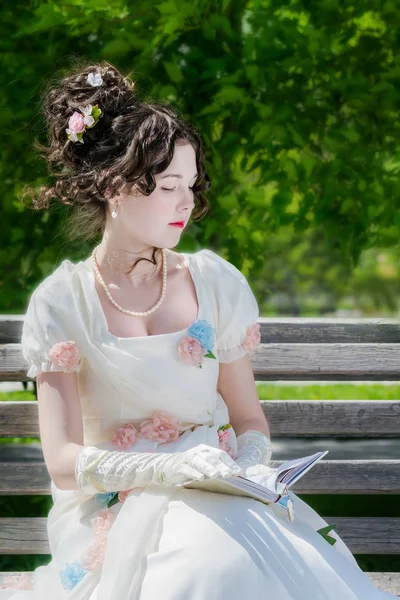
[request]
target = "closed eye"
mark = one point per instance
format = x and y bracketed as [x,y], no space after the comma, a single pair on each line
[172,189]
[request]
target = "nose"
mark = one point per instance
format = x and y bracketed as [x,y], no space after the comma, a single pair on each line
[187,201]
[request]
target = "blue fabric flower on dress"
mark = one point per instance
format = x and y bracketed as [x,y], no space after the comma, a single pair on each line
[104,498]
[197,344]
[283,500]
[204,333]
[287,502]
[72,574]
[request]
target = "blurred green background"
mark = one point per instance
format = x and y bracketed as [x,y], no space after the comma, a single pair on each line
[298,105]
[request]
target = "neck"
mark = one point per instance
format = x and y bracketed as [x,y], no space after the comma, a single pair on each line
[115,264]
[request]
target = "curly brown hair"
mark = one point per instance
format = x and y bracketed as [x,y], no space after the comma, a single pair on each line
[132,141]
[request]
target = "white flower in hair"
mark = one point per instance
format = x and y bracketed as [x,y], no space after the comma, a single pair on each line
[80,121]
[95,79]
[87,114]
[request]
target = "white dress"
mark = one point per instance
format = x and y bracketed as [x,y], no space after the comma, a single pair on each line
[170,543]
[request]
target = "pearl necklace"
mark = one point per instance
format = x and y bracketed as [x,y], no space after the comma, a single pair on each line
[125,310]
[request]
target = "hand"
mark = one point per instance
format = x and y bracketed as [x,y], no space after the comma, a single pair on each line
[197,463]
[254,448]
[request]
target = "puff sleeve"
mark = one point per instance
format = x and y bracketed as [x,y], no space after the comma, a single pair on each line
[237,329]
[47,340]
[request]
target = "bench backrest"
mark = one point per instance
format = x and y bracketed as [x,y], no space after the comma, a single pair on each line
[301,349]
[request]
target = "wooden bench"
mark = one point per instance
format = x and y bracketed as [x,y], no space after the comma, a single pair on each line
[291,349]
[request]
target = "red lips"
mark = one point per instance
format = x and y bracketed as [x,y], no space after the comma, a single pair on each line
[178,224]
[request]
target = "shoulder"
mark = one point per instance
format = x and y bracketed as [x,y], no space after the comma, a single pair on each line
[218,270]
[53,307]
[55,287]
[235,306]
[50,325]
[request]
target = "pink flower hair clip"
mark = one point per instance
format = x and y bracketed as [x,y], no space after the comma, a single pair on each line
[80,121]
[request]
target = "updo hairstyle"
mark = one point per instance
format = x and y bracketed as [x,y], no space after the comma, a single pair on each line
[131,141]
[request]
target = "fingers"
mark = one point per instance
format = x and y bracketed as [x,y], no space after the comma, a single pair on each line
[220,456]
[213,463]
[204,466]
[190,472]
[226,464]
[229,461]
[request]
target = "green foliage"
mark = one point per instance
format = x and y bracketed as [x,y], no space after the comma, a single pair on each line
[297,104]
[303,275]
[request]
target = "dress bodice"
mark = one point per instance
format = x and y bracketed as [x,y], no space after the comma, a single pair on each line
[126,380]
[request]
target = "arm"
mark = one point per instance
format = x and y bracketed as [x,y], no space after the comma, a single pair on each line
[60,424]
[237,386]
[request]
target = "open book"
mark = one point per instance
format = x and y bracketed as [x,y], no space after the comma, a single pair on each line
[268,487]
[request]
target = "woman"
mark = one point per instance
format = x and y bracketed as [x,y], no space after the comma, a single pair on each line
[141,357]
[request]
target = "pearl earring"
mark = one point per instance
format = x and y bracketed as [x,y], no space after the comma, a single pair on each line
[114,212]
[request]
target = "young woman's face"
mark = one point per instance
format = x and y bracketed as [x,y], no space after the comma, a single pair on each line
[146,219]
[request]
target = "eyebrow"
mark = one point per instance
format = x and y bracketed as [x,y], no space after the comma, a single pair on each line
[176,175]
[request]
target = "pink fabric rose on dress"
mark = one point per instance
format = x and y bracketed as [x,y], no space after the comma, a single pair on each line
[253,337]
[124,436]
[122,496]
[225,443]
[224,436]
[95,555]
[65,355]
[162,427]
[228,449]
[191,351]
[101,525]
[17,582]
[102,522]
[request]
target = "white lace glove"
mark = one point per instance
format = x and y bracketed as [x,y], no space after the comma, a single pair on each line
[99,470]
[254,457]
[254,450]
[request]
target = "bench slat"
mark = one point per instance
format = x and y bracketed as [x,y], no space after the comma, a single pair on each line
[326,477]
[387,582]
[363,535]
[281,330]
[337,418]
[326,362]
[272,362]
[19,419]
[295,418]
[313,330]
[369,535]
[24,535]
